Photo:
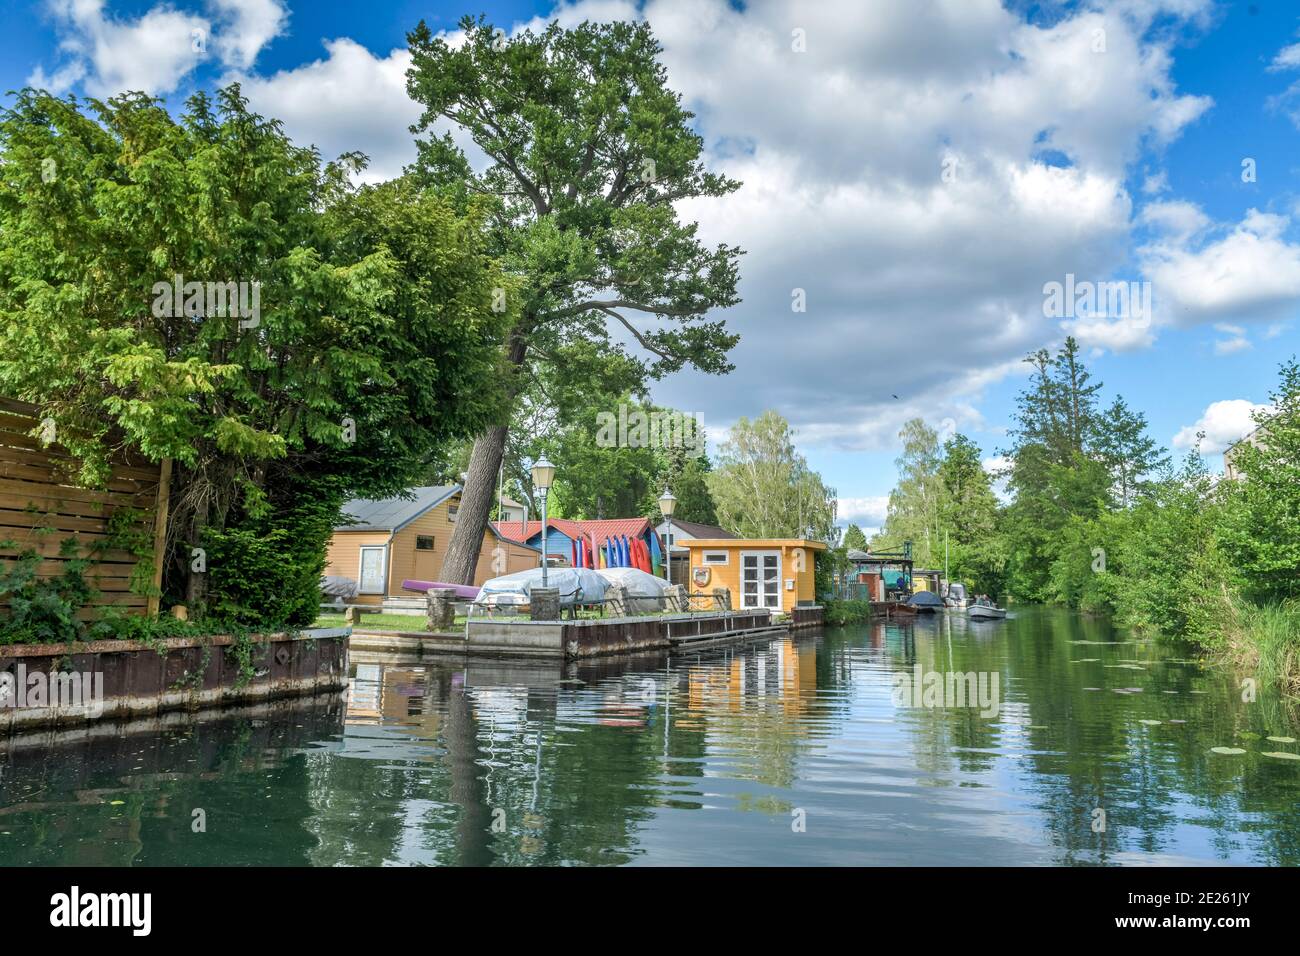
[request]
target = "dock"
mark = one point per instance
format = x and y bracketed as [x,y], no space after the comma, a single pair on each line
[507,637]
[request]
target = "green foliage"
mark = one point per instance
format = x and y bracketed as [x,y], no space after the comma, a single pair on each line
[763,488]
[43,610]
[376,341]
[1261,530]
[839,613]
[266,572]
[588,154]
[854,539]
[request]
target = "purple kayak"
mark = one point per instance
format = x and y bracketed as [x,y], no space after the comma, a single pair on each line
[467,591]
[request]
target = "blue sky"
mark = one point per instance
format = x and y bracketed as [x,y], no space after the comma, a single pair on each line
[1102,139]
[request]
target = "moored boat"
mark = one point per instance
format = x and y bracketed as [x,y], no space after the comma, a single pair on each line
[985,610]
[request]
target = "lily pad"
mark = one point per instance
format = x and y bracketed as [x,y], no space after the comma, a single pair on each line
[1282,740]
[1229,751]
[1149,723]
[1086,660]
[1247,735]
[1282,755]
[116,803]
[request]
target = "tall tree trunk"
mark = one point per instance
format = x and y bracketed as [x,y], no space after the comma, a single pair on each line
[461,559]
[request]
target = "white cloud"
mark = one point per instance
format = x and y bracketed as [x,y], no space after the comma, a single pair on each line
[348,100]
[155,51]
[1288,58]
[869,511]
[1243,273]
[840,149]
[245,27]
[1156,183]
[1223,423]
[1236,340]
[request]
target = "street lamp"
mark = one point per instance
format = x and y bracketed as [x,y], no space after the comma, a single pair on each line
[543,474]
[667,504]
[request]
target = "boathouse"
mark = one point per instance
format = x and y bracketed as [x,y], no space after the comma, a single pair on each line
[388,541]
[772,573]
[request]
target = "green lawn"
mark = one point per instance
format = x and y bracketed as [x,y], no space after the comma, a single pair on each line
[381,622]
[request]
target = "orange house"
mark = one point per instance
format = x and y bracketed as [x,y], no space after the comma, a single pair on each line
[776,573]
[401,539]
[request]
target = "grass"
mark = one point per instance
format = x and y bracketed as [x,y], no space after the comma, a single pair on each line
[380,622]
[1266,639]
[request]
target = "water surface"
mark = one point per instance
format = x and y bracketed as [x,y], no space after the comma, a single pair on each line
[796,751]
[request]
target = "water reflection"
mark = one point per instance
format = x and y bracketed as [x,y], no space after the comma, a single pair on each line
[793,751]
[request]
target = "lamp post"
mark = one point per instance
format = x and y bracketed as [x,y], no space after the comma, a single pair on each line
[543,473]
[667,504]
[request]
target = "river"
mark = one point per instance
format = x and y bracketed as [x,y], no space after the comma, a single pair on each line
[1088,747]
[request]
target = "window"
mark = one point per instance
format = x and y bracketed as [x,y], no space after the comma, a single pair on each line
[717,557]
[424,542]
[669,539]
[451,512]
[371,570]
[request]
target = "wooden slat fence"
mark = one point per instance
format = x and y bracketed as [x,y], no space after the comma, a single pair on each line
[40,506]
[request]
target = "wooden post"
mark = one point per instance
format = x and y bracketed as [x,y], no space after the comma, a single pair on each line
[160,534]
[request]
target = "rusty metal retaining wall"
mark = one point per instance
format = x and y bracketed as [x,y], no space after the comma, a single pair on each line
[807,617]
[178,674]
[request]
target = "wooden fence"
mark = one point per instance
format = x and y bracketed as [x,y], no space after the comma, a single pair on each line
[41,506]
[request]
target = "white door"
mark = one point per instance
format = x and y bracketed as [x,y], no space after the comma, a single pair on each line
[372,571]
[760,579]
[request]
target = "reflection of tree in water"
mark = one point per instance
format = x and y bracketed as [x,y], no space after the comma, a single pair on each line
[1085,750]
[128,798]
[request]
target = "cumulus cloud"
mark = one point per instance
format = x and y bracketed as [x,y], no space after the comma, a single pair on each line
[868,512]
[155,51]
[349,99]
[245,27]
[1223,423]
[1245,272]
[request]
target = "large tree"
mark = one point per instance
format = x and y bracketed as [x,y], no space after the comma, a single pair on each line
[587,152]
[763,488]
[373,342]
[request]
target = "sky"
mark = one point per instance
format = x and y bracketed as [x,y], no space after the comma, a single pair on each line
[917,174]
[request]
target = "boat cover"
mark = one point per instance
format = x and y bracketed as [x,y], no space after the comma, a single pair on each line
[576,586]
[644,591]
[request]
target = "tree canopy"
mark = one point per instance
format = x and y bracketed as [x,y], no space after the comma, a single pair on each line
[587,152]
[373,341]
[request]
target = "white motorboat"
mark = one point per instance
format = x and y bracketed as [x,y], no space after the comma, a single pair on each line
[985,611]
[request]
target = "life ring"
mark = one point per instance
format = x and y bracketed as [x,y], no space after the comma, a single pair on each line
[700,576]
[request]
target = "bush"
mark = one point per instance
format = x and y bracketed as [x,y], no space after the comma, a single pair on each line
[839,612]
[265,573]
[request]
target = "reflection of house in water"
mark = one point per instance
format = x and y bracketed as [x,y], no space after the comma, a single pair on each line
[780,671]
[377,693]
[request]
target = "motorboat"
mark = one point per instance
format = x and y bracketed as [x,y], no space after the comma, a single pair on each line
[956,598]
[983,609]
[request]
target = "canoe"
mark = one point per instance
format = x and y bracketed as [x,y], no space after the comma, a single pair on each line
[463,591]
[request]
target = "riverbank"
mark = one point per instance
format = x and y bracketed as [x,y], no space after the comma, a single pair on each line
[703,759]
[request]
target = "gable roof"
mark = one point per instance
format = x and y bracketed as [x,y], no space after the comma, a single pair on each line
[393,514]
[599,530]
[697,530]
